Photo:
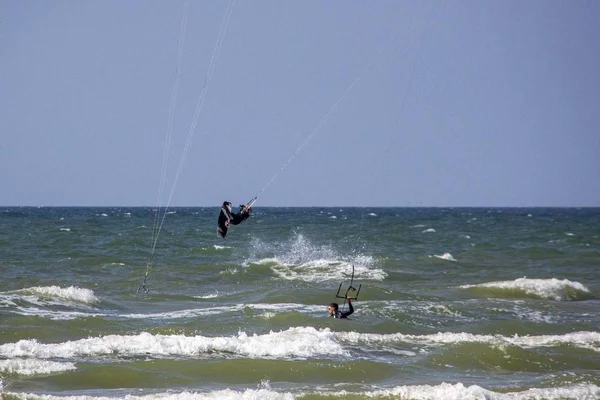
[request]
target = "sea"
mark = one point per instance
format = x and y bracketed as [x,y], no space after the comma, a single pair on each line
[149,304]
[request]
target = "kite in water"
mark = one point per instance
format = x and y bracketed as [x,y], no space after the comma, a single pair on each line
[227,216]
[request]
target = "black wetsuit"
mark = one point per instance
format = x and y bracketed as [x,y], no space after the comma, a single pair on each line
[242,215]
[345,314]
[226,217]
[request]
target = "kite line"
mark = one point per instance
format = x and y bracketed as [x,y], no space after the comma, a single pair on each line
[161,216]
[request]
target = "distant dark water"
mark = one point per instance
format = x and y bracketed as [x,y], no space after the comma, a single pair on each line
[455,303]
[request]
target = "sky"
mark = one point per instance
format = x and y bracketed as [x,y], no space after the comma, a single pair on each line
[307,103]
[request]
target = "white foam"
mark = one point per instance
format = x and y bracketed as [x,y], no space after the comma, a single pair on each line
[587,340]
[459,391]
[429,230]
[446,391]
[219,247]
[299,342]
[445,256]
[34,366]
[72,293]
[55,315]
[553,288]
[187,313]
[372,214]
[224,394]
[195,312]
[208,296]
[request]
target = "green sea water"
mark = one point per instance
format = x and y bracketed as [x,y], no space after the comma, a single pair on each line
[463,303]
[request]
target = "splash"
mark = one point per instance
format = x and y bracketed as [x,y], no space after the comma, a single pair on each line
[301,260]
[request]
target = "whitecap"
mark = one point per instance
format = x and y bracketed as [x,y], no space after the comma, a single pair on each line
[422,392]
[208,296]
[298,342]
[34,366]
[221,394]
[460,391]
[445,256]
[554,289]
[428,230]
[71,293]
[587,340]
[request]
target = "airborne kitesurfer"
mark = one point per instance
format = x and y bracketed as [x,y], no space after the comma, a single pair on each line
[227,217]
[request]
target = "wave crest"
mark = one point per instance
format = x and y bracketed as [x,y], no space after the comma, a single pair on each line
[299,342]
[71,293]
[552,289]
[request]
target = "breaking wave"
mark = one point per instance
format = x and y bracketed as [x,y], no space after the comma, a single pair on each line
[456,391]
[33,366]
[71,294]
[300,342]
[587,340]
[552,289]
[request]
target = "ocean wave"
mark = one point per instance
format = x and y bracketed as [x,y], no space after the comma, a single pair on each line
[587,340]
[295,343]
[299,342]
[195,312]
[71,293]
[553,289]
[33,366]
[445,256]
[457,391]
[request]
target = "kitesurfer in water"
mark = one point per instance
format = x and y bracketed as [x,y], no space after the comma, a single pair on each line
[227,217]
[333,309]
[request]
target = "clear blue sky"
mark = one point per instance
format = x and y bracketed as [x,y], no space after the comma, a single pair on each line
[457,103]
